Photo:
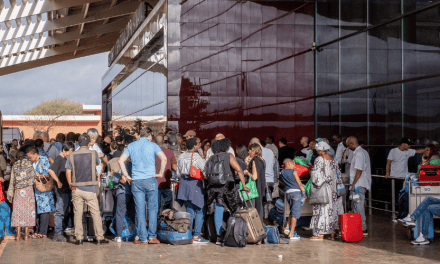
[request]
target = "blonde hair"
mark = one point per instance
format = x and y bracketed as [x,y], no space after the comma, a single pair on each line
[257,148]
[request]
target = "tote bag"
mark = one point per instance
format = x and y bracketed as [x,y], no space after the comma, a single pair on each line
[252,186]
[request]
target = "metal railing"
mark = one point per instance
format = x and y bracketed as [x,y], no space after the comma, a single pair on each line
[393,198]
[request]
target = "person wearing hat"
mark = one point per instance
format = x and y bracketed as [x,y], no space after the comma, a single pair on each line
[324,175]
[397,161]
[189,134]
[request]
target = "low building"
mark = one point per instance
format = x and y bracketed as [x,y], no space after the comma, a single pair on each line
[90,118]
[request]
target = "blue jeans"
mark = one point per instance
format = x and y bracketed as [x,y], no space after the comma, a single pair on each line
[359,207]
[200,215]
[62,211]
[294,199]
[218,218]
[121,209]
[163,193]
[429,207]
[142,189]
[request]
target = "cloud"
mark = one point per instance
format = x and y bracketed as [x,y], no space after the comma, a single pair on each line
[77,80]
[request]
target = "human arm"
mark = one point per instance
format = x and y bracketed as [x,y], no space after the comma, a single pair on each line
[420,151]
[254,171]
[234,164]
[11,189]
[356,178]
[388,168]
[163,164]
[121,163]
[56,179]
[69,177]
[50,160]
[298,181]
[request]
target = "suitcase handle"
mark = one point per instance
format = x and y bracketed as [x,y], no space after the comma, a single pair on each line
[249,199]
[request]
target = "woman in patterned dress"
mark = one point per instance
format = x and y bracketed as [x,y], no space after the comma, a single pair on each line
[45,200]
[324,175]
[21,194]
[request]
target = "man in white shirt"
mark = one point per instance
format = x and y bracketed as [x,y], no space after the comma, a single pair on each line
[337,139]
[306,148]
[209,153]
[397,161]
[360,178]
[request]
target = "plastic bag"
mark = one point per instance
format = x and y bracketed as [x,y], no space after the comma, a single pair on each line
[302,162]
[308,186]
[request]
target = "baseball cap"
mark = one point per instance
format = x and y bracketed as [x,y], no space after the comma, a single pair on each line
[190,133]
[406,141]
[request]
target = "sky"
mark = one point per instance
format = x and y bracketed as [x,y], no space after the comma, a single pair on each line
[77,80]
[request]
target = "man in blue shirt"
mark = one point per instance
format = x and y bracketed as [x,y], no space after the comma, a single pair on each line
[143,154]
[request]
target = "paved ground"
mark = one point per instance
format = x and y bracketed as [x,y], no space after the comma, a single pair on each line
[387,243]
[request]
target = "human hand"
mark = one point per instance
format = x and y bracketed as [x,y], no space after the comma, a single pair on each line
[246,189]
[158,176]
[246,172]
[387,176]
[2,179]
[59,184]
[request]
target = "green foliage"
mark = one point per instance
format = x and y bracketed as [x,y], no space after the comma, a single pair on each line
[57,107]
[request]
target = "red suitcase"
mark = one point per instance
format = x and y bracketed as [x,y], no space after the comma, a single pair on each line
[429,173]
[351,227]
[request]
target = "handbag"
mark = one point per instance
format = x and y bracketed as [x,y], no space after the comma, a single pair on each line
[195,172]
[44,184]
[318,195]
[252,186]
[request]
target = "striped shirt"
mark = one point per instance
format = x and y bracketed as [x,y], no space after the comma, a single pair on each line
[184,163]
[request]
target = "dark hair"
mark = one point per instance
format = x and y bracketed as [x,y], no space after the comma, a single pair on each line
[118,139]
[14,140]
[60,138]
[146,132]
[31,149]
[271,139]
[283,140]
[299,154]
[77,136]
[432,150]
[183,145]
[262,143]
[38,143]
[191,142]
[121,147]
[84,140]
[338,137]
[242,151]
[114,145]
[71,137]
[221,145]
[206,141]
[68,146]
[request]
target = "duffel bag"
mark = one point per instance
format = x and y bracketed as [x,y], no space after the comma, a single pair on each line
[166,234]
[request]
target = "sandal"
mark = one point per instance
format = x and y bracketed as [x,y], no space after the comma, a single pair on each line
[35,235]
[317,238]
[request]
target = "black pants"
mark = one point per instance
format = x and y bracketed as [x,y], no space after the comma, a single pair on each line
[42,223]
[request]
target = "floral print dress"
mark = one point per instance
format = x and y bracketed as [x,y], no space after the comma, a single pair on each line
[45,200]
[325,216]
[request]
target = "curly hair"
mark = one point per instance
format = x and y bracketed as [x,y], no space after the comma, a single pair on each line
[221,145]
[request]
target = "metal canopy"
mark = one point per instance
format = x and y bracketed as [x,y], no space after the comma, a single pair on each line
[35,33]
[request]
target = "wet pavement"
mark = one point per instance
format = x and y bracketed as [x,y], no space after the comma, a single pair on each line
[387,243]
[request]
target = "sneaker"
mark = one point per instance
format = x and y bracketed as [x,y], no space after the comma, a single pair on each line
[421,240]
[410,223]
[69,229]
[365,232]
[59,238]
[118,239]
[287,231]
[295,236]
[200,240]
[219,240]
[406,219]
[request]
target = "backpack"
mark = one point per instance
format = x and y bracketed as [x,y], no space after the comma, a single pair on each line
[236,232]
[215,171]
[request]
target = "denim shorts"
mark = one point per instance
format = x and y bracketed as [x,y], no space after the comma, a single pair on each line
[294,199]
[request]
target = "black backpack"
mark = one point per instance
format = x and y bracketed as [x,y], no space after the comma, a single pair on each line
[215,171]
[236,232]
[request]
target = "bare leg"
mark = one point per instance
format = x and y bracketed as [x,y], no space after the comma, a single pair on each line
[7,237]
[292,225]
[26,233]
[18,233]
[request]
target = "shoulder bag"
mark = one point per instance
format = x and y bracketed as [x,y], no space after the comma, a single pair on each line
[43,183]
[195,172]
[319,195]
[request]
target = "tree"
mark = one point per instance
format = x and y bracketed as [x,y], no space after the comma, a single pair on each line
[46,115]
[56,107]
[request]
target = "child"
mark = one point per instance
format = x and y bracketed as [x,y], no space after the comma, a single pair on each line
[294,191]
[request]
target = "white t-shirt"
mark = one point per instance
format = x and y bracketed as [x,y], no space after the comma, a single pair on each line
[399,166]
[361,161]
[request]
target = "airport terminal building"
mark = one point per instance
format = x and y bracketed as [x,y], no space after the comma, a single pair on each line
[282,68]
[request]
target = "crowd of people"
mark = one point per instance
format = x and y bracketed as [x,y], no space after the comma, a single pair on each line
[145,169]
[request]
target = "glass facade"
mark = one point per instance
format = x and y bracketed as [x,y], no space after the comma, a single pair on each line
[294,68]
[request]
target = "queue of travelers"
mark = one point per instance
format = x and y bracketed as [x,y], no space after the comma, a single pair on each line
[145,169]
